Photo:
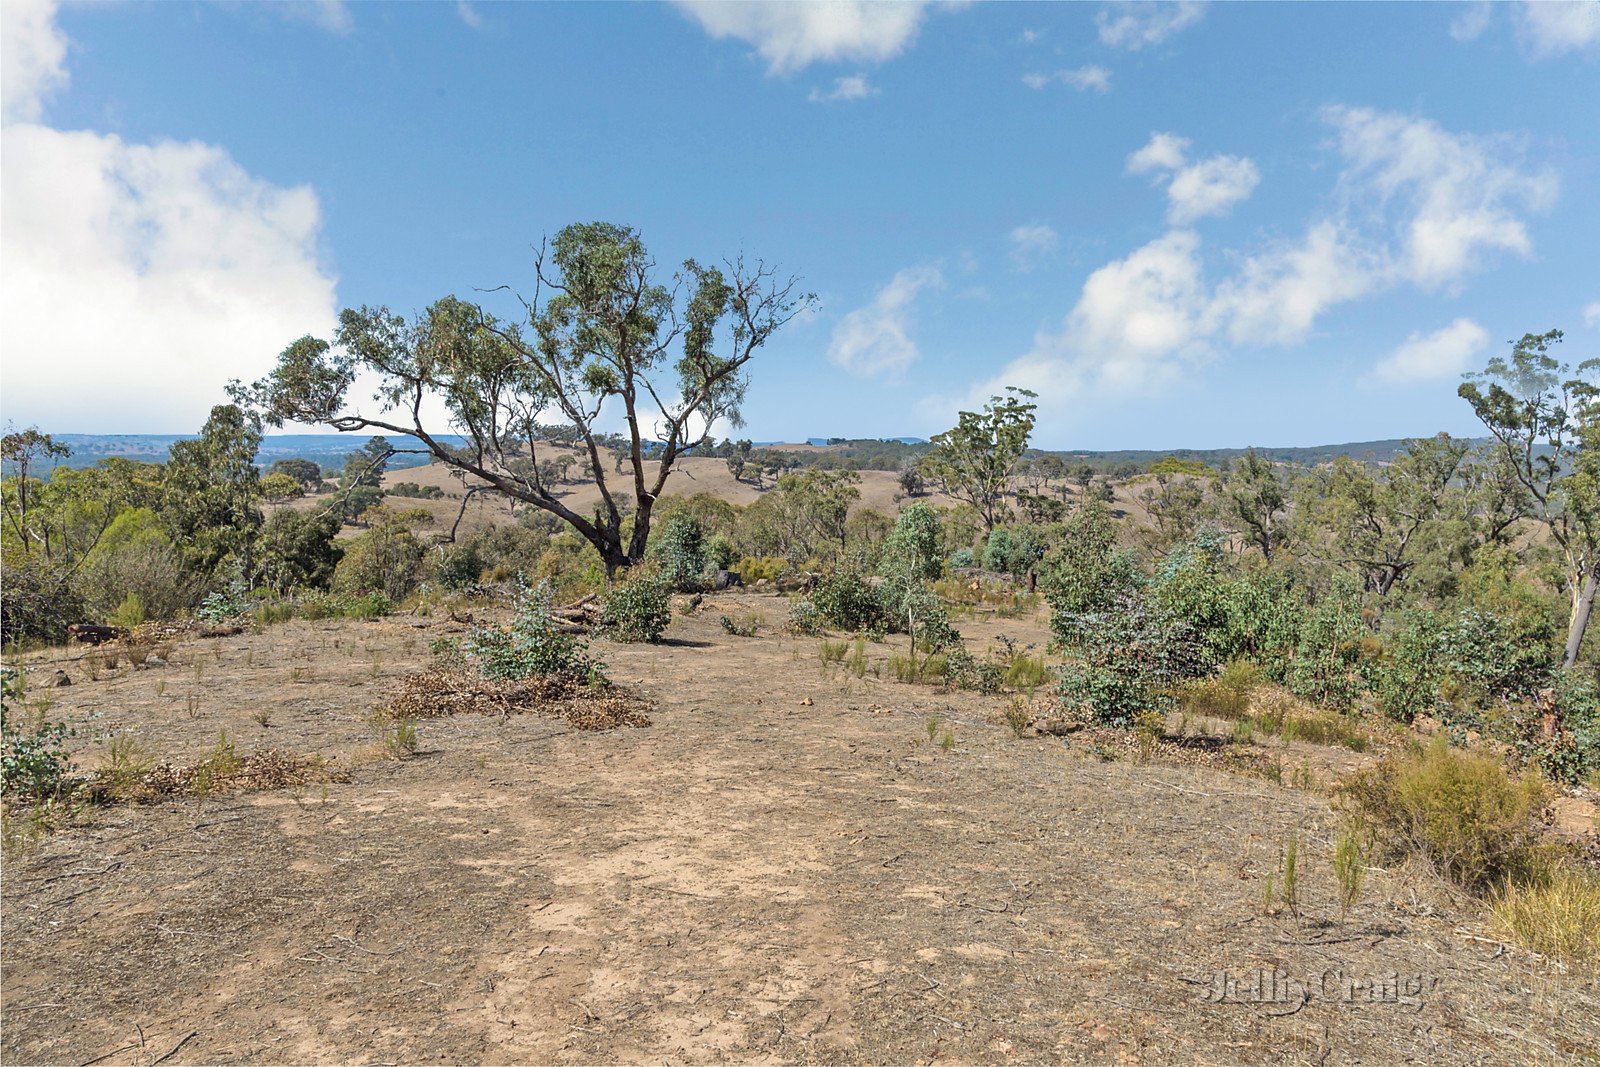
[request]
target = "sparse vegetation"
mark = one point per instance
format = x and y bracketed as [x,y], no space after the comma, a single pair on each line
[1461,813]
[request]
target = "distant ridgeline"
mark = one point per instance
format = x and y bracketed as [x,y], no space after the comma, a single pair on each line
[891,454]
[327,449]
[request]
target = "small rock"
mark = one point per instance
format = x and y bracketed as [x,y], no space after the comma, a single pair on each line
[806,703]
[59,679]
[154,661]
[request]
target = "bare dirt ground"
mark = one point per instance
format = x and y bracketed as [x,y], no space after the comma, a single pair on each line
[753,878]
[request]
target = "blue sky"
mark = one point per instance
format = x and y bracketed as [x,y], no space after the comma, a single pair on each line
[1181,224]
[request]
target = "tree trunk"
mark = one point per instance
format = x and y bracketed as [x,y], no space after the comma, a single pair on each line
[1582,605]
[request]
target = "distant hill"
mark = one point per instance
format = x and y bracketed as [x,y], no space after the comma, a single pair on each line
[887,453]
[1371,451]
[328,449]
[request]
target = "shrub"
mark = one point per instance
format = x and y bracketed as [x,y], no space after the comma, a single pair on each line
[299,549]
[1127,660]
[756,568]
[639,609]
[846,601]
[679,548]
[530,645]
[500,553]
[224,604]
[998,550]
[804,618]
[460,566]
[33,752]
[136,557]
[129,613]
[40,601]
[915,544]
[386,559]
[720,553]
[1461,813]
[743,626]
[1407,677]
[962,557]
[1326,660]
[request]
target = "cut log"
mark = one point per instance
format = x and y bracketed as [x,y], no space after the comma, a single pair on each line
[85,633]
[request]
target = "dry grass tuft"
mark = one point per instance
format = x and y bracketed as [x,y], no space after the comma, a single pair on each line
[1556,916]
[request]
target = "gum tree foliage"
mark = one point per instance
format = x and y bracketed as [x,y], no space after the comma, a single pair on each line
[680,550]
[277,488]
[304,471]
[1380,523]
[1254,496]
[974,460]
[299,550]
[49,530]
[211,497]
[1543,416]
[916,545]
[601,337]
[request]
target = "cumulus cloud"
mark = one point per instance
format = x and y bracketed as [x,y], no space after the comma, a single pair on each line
[1555,27]
[1032,242]
[147,275]
[876,338]
[1453,197]
[1164,151]
[1134,25]
[1194,191]
[853,87]
[1418,206]
[1444,353]
[33,55]
[1277,295]
[791,34]
[1083,79]
[1591,313]
[1210,187]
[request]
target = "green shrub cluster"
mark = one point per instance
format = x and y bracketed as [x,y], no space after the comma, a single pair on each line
[531,645]
[638,609]
[34,762]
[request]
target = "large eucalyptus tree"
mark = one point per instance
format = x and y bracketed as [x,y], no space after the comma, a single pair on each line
[601,340]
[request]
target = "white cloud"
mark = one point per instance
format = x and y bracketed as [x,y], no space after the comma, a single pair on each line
[1082,79]
[1443,353]
[1591,313]
[876,339]
[33,55]
[469,14]
[1472,21]
[1277,295]
[1031,242]
[791,34]
[853,87]
[1135,25]
[1418,206]
[1138,321]
[1452,196]
[331,15]
[1210,187]
[1163,152]
[145,276]
[1554,27]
